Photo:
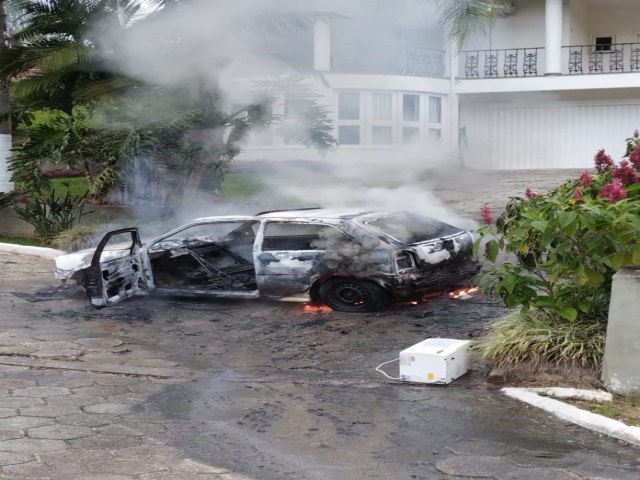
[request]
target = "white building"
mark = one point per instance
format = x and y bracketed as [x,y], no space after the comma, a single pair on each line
[550,83]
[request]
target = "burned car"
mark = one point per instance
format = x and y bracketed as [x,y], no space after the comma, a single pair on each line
[353,261]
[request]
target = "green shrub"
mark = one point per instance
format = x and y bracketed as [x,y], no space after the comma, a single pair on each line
[568,243]
[539,338]
[76,237]
[52,214]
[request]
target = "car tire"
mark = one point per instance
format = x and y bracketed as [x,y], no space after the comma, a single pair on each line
[352,295]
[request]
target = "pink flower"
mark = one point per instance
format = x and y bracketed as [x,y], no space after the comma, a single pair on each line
[578,196]
[586,179]
[602,161]
[634,157]
[485,213]
[531,193]
[626,173]
[614,191]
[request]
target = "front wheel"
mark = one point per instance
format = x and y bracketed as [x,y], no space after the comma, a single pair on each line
[351,295]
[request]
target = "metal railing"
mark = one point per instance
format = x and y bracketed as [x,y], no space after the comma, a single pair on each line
[389,60]
[613,58]
[502,63]
[530,62]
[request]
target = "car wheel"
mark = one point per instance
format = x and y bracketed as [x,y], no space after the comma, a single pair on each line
[351,295]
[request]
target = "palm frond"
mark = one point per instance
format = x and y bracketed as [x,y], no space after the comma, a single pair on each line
[465,17]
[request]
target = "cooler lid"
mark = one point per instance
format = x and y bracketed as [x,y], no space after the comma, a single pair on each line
[436,346]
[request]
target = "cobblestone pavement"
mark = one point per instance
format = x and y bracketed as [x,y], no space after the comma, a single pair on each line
[172,389]
[164,388]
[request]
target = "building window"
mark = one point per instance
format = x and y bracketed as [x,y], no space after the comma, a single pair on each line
[381,135]
[349,135]
[349,106]
[411,108]
[435,110]
[434,134]
[381,106]
[410,135]
[603,43]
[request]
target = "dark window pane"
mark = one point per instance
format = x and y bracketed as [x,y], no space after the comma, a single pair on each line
[411,108]
[293,236]
[349,106]
[603,44]
[349,135]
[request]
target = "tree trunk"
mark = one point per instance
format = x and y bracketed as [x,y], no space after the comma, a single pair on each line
[5,126]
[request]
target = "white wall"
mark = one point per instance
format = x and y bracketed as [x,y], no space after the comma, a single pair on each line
[578,23]
[524,29]
[623,22]
[548,131]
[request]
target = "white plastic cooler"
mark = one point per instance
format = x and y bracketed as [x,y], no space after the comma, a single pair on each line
[435,360]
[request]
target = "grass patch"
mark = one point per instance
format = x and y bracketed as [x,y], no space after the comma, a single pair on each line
[625,409]
[539,338]
[32,242]
[74,185]
[241,185]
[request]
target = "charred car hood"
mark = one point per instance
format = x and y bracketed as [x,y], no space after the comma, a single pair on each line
[453,248]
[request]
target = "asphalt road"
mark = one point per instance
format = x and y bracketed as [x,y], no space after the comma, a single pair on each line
[166,388]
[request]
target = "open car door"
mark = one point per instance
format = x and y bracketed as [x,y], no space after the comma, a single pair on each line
[116,269]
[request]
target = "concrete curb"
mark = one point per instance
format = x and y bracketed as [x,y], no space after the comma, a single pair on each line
[570,413]
[29,250]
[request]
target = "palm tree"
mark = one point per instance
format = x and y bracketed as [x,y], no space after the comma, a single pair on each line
[53,59]
[5,123]
[465,17]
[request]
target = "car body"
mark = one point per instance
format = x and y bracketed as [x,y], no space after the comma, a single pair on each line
[351,260]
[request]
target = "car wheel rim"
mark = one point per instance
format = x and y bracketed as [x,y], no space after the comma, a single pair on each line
[351,294]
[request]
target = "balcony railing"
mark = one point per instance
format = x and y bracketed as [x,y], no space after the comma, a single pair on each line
[389,60]
[614,58]
[530,62]
[503,63]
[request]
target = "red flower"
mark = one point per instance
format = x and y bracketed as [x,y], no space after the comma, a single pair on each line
[603,161]
[531,193]
[614,191]
[626,173]
[634,157]
[586,179]
[578,196]
[485,213]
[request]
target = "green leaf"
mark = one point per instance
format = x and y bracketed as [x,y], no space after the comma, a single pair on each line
[540,225]
[566,218]
[491,250]
[620,259]
[588,277]
[569,313]
[584,306]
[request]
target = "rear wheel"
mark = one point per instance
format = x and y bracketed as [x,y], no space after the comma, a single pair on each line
[351,295]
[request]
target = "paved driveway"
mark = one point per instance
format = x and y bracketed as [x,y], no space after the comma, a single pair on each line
[165,388]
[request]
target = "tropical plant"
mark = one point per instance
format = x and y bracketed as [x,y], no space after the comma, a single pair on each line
[568,243]
[465,17]
[52,214]
[54,59]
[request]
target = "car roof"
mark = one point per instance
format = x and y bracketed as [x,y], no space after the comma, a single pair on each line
[304,213]
[308,213]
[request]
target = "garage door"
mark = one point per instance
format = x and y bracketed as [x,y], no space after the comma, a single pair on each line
[568,136]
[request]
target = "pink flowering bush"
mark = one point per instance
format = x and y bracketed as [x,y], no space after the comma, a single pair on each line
[568,243]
